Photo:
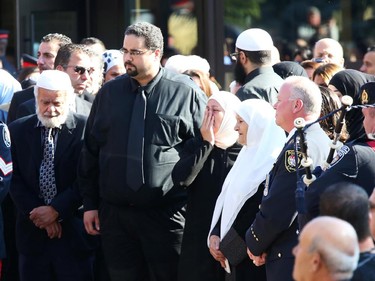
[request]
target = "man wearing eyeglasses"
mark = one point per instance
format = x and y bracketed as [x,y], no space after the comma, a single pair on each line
[368,65]
[328,50]
[76,61]
[137,127]
[253,66]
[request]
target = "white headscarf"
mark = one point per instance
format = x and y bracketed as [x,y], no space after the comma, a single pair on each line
[112,58]
[265,141]
[226,136]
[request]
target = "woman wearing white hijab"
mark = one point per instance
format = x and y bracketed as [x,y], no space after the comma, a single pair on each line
[242,190]
[204,164]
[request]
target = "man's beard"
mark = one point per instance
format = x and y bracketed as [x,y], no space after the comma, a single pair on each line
[131,73]
[53,122]
[239,73]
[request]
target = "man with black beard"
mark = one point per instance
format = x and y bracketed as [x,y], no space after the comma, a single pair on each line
[136,130]
[50,236]
[254,67]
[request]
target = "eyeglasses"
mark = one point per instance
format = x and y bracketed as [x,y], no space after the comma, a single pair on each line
[132,53]
[318,60]
[80,69]
[234,55]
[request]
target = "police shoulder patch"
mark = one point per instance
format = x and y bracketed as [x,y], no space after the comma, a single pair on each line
[290,160]
[339,155]
[5,134]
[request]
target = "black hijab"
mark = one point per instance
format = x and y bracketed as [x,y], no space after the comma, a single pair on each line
[289,68]
[348,82]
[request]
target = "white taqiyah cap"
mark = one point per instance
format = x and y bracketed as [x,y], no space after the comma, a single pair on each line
[198,63]
[254,39]
[181,63]
[177,63]
[54,80]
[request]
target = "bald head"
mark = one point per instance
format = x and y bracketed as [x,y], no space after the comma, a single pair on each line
[330,51]
[327,250]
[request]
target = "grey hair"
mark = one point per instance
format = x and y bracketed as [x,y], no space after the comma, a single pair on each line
[340,264]
[306,90]
[152,34]
[69,94]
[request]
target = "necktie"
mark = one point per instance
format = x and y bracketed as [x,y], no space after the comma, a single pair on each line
[134,170]
[47,182]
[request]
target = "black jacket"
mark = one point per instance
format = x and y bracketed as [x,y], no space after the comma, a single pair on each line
[354,163]
[27,154]
[175,107]
[202,169]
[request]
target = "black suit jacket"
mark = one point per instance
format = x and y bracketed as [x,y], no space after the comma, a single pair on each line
[27,157]
[83,107]
[17,99]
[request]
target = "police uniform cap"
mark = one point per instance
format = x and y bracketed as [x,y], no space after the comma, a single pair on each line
[367,93]
[29,61]
[4,34]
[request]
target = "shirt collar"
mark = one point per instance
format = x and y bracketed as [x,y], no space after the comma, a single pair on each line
[258,71]
[150,86]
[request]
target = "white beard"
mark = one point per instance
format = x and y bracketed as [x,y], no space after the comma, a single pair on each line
[53,122]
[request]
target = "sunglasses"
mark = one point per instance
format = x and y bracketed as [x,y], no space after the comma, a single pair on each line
[318,60]
[80,69]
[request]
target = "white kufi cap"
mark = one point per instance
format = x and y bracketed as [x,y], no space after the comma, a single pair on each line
[254,39]
[181,63]
[177,63]
[54,80]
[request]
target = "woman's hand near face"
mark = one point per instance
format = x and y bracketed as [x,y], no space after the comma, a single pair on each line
[207,130]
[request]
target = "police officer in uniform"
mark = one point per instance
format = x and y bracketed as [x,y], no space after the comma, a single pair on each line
[354,162]
[274,232]
[6,169]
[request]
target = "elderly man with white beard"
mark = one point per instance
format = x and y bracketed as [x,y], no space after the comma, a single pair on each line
[51,240]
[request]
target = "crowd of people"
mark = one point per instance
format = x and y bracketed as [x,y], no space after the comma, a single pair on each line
[116,167]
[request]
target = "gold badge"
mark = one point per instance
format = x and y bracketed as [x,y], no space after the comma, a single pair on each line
[290,160]
[364,97]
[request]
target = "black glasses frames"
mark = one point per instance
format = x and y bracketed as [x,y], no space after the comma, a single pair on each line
[234,56]
[133,53]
